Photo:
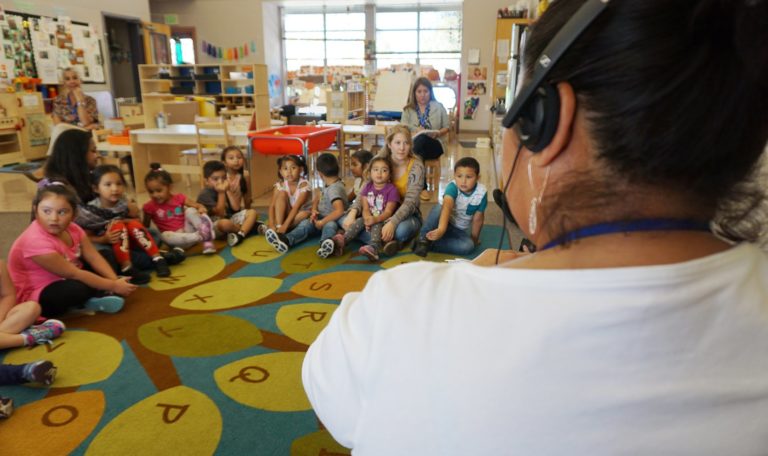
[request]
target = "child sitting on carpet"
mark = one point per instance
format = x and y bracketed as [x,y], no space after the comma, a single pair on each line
[15,374]
[357,165]
[182,222]
[327,208]
[46,261]
[17,328]
[225,206]
[455,227]
[291,199]
[380,199]
[111,219]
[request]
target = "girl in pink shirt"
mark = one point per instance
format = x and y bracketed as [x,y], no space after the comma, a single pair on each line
[46,261]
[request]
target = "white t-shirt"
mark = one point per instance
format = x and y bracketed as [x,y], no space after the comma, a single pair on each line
[457,359]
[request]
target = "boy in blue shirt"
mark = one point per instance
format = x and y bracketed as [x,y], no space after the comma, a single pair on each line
[455,226]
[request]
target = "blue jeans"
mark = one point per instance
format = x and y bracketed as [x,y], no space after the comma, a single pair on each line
[306,229]
[454,241]
[404,232]
[12,374]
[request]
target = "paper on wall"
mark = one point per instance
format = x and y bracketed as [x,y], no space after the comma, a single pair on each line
[502,51]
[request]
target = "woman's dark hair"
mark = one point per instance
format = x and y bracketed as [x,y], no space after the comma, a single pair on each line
[467,162]
[421,81]
[58,189]
[159,174]
[674,94]
[69,163]
[101,170]
[241,171]
[298,159]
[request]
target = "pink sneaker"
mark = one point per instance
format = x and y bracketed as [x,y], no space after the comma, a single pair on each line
[370,252]
[208,248]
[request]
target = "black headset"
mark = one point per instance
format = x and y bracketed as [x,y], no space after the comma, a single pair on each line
[535,112]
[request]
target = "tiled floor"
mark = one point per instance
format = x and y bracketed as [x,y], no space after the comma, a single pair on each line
[17,192]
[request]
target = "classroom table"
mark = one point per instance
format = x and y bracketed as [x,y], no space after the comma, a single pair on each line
[163,145]
[380,129]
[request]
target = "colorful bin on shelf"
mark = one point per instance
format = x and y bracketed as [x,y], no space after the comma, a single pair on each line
[292,140]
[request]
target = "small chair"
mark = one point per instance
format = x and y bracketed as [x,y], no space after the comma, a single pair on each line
[211,134]
[432,173]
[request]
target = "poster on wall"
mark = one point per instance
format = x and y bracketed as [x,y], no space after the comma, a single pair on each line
[16,58]
[477,73]
[470,108]
[59,44]
[475,88]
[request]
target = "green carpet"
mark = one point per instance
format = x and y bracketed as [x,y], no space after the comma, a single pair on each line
[207,361]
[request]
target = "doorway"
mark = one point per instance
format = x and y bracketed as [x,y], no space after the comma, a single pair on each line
[126,52]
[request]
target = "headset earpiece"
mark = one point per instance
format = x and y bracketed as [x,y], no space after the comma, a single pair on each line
[539,118]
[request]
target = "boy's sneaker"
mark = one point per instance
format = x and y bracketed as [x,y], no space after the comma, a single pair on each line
[206,228]
[107,304]
[260,228]
[161,267]
[338,244]
[208,248]
[174,256]
[326,248]
[6,407]
[370,252]
[278,241]
[234,238]
[391,248]
[39,372]
[43,333]
[138,277]
[421,247]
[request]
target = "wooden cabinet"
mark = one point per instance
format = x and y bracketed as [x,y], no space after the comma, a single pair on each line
[25,128]
[224,86]
[343,105]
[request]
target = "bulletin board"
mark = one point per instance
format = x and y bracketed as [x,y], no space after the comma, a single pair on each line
[39,46]
[392,90]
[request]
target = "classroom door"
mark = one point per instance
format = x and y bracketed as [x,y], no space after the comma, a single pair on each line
[126,52]
[157,39]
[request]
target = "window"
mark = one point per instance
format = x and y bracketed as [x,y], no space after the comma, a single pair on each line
[421,37]
[323,39]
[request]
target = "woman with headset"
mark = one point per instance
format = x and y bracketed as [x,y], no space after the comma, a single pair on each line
[640,326]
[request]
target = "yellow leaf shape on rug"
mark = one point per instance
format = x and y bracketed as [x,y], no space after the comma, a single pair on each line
[269,382]
[411,258]
[319,442]
[194,269]
[333,285]
[303,322]
[54,425]
[255,249]
[199,335]
[226,293]
[306,260]
[179,420]
[82,357]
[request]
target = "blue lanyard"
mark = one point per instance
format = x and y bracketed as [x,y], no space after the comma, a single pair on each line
[629,227]
[72,108]
[423,118]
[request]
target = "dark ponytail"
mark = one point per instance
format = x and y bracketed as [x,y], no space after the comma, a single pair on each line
[159,174]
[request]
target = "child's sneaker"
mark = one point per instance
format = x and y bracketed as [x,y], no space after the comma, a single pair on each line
[338,244]
[174,256]
[43,333]
[370,252]
[39,372]
[206,228]
[208,248]
[107,304]
[6,407]
[391,248]
[137,276]
[276,240]
[326,248]
[234,238]
[261,228]
[421,247]
[161,267]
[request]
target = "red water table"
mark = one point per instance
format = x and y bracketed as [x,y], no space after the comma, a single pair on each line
[292,140]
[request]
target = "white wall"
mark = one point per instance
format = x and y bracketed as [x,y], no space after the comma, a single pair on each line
[90,11]
[233,22]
